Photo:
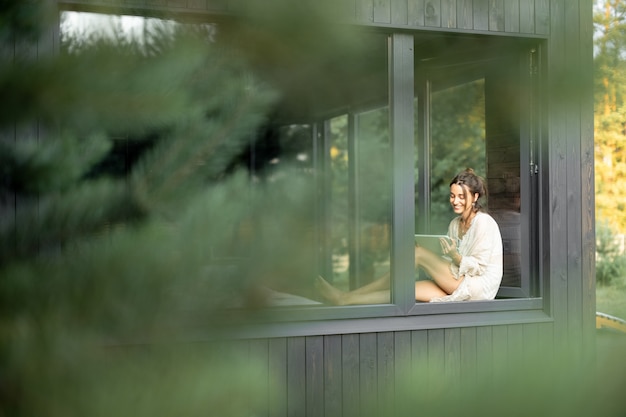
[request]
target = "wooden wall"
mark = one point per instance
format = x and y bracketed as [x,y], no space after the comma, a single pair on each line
[376,374]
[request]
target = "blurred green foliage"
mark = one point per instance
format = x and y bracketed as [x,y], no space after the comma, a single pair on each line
[458,142]
[610,259]
[610,111]
[105,275]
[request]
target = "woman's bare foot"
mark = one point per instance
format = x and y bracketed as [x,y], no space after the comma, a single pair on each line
[330,293]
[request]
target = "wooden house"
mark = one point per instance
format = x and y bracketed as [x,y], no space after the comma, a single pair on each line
[516,77]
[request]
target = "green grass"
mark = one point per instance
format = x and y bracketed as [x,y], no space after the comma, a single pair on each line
[611,299]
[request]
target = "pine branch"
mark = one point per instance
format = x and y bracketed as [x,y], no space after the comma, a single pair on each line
[32,166]
[52,221]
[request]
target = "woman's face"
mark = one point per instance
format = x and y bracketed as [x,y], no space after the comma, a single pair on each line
[460,199]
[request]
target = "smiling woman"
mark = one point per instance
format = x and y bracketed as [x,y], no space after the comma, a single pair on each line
[471,265]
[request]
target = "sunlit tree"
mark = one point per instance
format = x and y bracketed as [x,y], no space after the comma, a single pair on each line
[610,112]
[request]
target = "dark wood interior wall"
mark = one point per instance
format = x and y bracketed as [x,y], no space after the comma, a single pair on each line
[503,130]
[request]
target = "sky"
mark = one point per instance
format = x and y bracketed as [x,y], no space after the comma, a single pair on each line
[80,23]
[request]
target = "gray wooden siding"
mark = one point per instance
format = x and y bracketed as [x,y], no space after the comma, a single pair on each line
[570,154]
[369,374]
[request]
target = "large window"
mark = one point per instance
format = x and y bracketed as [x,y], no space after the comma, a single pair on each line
[475,106]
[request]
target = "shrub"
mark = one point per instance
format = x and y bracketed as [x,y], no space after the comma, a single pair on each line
[610,261]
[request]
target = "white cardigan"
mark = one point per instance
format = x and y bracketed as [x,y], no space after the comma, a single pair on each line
[481,263]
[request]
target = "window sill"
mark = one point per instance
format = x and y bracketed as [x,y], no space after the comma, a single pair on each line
[359,319]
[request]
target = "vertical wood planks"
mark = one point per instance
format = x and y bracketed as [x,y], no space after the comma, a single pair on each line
[465,14]
[368,374]
[332,375]
[533,344]
[402,372]
[542,17]
[500,355]
[415,10]
[480,10]
[383,373]
[558,171]
[399,12]
[364,11]
[296,376]
[496,15]
[587,174]
[573,101]
[448,14]
[526,16]
[432,13]
[469,351]
[258,352]
[314,376]
[436,360]
[484,351]
[419,360]
[382,11]
[278,377]
[350,361]
[515,342]
[386,375]
[512,16]
[452,351]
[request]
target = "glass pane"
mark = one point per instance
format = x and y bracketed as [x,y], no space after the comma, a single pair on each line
[373,193]
[457,142]
[348,142]
[339,201]
[504,165]
[360,198]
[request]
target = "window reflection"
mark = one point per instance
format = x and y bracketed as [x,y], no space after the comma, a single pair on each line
[349,146]
[457,142]
[373,195]
[360,182]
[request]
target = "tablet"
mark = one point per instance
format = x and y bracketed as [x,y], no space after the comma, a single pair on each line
[430,242]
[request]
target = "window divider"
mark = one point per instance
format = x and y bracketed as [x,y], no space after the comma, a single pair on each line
[401,87]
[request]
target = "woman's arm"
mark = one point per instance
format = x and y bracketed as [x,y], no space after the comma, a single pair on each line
[483,252]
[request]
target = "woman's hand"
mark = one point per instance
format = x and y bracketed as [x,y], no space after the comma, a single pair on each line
[448,247]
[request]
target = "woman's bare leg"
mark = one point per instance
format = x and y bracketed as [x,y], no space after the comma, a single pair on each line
[427,290]
[437,268]
[376,292]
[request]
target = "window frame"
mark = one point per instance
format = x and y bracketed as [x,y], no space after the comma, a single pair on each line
[401,104]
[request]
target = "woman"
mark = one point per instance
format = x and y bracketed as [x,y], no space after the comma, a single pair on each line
[471,268]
